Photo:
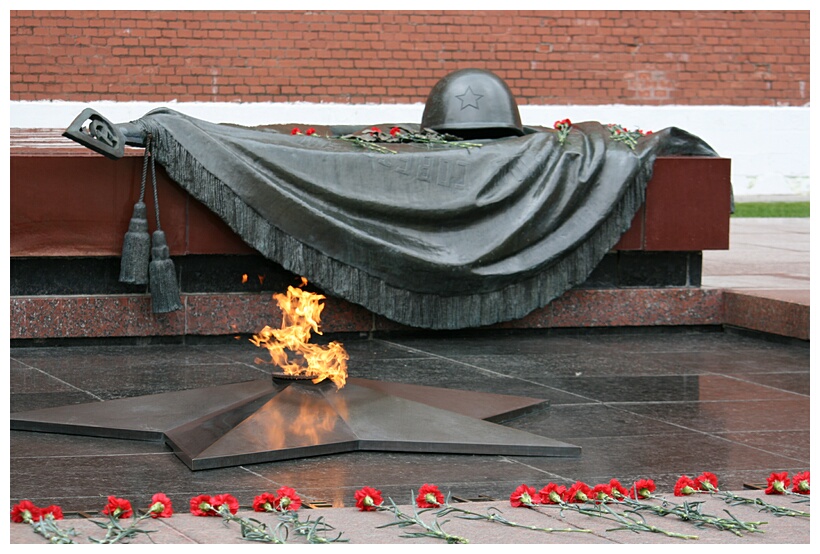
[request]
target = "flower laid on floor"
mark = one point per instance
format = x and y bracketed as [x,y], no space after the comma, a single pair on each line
[524,495]
[552,494]
[43,521]
[431,497]
[287,499]
[120,508]
[160,506]
[777,483]
[685,486]
[643,488]
[618,491]
[611,501]
[369,499]
[800,483]
[226,506]
[285,503]
[578,492]
[598,501]
[265,502]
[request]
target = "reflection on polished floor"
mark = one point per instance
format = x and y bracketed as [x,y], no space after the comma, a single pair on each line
[640,403]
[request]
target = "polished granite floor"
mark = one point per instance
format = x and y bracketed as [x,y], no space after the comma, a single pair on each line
[639,402]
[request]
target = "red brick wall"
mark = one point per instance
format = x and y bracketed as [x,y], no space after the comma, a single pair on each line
[555,57]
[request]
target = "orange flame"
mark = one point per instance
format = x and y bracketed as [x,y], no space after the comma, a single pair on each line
[289,345]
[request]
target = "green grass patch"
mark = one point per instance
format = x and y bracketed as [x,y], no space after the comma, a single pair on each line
[771,209]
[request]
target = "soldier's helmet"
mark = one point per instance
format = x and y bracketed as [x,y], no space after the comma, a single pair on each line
[472,104]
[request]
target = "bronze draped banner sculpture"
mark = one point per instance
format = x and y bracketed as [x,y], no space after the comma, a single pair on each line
[432,237]
[428,235]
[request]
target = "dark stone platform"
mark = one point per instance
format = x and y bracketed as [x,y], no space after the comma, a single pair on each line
[641,403]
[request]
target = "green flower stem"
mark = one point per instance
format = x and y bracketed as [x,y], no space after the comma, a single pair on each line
[47,527]
[116,533]
[447,509]
[253,530]
[432,530]
[458,144]
[367,144]
[691,511]
[310,529]
[734,500]
[629,520]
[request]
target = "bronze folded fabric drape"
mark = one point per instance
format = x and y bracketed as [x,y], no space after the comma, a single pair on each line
[431,236]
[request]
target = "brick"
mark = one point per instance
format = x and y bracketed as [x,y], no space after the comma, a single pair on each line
[690,46]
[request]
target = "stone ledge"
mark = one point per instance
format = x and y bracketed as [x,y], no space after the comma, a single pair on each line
[778,312]
[97,316]
[783,313]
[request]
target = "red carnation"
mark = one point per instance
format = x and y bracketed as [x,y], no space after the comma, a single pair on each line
[643,488]
[287,499]
[800,483]
[295,131]
[375,130]
[552,494]
[368,499]
[601,493]
[707,481]
[118,507]
[310,131]
[265,502]
[395,131]
[160,506]
[225,500]
[619,492]
[54,511]
[579,492]
[25,512]
[202,506]
[524,496]
[685,486]
[429,497]
[778,483]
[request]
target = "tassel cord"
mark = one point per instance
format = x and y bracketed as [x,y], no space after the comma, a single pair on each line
[150,152]
[145,167]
